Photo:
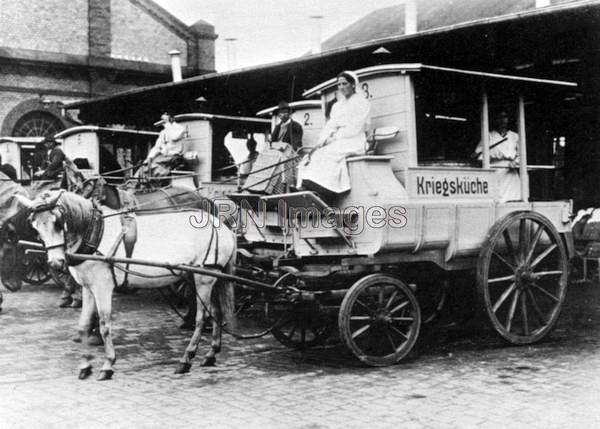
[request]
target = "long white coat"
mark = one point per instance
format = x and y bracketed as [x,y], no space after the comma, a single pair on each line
[345,136]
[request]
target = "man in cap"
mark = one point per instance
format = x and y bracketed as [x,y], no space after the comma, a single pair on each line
[287,130]
[52,160]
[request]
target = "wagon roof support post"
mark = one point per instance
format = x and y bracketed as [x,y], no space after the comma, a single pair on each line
[485,130]
[524,175]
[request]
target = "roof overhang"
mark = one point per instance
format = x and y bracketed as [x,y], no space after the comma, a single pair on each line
[245,91]
[295,105]
[417,67]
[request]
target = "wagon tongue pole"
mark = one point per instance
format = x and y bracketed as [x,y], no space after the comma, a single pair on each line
[208,271]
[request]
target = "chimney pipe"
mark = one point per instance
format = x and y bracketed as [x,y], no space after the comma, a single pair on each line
[316,33]
[410,16]
[542,3]
[176,65]
[230,43]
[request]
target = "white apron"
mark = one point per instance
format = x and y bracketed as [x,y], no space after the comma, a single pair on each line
[501,156]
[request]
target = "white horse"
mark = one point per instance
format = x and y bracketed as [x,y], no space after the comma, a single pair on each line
[67,222]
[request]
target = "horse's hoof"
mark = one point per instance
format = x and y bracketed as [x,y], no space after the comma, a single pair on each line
[105,374]
[182,368]
[95,340]
[209,361]
[85,372]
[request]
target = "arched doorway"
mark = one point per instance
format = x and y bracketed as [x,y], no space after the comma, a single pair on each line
[37,123]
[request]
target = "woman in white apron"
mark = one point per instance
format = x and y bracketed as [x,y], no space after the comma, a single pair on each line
[342,136]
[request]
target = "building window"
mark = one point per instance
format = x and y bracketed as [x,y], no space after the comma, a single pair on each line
[37,123]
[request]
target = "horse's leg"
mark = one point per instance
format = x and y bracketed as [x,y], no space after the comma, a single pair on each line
[102,291]
[215,345]
[204,286]
[85,319]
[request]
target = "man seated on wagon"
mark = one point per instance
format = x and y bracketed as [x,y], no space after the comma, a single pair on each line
[325,169]
[167,152]
[52,160]
[504,156]
[287,130]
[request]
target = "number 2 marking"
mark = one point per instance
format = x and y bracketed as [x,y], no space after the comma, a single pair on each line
[307,119]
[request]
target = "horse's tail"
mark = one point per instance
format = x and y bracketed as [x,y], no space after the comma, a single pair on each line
[224,293]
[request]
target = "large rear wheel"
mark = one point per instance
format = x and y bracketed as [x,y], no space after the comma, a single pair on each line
[522,276]
[379,320]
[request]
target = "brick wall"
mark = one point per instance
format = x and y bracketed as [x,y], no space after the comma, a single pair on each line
[45,25]
[136,34]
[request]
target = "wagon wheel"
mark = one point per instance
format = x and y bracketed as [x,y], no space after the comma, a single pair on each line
[302,326]
[379,319]
[522,276]
[36,270]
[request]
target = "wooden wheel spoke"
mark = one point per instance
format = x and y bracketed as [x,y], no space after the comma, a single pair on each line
[361,330]
[391,340]
[536,308]
[360,317]
[504,296]
[545,292]
[365,306]
[502,279]
[543,255]
[389,303]
[523,234]
[402,319]
[380,297]
[303,335]
[399,332]
[534,242]
[501,258]
[509,245]
[511,312]
[399,307]
[548,273]
[524,314]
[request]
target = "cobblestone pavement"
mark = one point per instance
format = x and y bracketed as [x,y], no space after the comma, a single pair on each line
[456,377]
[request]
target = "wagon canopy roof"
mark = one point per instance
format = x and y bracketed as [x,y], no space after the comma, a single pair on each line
[209,116]
[429,69]
[294,105]
[21,140]
[91,128]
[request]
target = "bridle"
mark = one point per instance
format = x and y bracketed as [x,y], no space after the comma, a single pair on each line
[90,240]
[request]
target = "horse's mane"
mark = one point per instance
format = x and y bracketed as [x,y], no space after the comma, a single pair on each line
[76,209]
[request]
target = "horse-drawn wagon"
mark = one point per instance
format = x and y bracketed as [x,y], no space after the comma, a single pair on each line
[420,211]
[418,207]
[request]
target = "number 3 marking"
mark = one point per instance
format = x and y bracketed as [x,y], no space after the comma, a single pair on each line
[365,88]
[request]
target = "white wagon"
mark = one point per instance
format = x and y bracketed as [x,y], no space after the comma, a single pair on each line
[419,209]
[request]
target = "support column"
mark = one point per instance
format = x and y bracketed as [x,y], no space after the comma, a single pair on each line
[485,131]
[523,151]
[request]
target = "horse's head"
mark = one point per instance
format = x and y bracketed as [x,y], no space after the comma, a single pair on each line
[47,218]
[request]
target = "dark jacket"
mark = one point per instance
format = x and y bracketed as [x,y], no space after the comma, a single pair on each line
[9,170]
[54,164]
[293,134]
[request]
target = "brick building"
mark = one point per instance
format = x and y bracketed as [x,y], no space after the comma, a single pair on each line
[53,51]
